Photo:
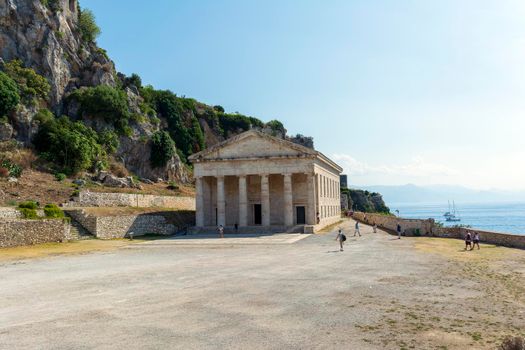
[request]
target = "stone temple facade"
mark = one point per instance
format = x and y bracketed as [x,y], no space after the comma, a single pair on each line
[261,183]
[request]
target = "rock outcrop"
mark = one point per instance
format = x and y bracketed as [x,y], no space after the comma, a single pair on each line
[48,41]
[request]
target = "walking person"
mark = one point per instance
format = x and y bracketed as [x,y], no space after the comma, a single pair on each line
[398,231]
[356,231]
[468,241]
[475,241]
[221,231]
[375,227]
[341,238]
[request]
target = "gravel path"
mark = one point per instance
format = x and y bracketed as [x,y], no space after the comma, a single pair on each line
[380,293]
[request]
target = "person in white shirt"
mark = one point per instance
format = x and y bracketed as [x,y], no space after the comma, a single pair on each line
[475,240]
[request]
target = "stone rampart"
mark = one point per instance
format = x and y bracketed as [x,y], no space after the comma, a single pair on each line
[100,199]
[19,232]
[429,228]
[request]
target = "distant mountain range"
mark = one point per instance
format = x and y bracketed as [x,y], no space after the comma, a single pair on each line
[441,194]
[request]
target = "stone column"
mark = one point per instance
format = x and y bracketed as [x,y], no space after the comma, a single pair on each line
[288,200]
[243,201]
[310,212]
[221,202]
[199,202]
[265,200]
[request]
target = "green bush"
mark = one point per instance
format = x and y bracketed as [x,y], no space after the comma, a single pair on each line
[14,169]
[44,115]
[9,97]
[71,145]
[53,211]
[162,149]
[109,141]
[28,205]
[53,5]
[88,26]
[172,185]
[28,213]
[235,122]
[60,177]
[105,102]
[277,127]
[134,80]
[30,84]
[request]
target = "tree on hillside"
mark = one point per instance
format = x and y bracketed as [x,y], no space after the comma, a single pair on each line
[162,149]
[9,97]
[31,85]
[88,26]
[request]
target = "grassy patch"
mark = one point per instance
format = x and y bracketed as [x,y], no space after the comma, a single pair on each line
[75,247]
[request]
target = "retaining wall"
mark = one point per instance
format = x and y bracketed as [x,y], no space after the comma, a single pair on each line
[428,227]
[111,226]
[100,199]
[19,232]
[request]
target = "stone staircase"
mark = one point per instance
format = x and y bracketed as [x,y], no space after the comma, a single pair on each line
[78,232]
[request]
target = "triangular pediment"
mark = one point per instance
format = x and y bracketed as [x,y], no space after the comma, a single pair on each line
[252,144]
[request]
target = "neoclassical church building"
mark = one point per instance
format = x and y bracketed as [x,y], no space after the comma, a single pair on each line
[262,183]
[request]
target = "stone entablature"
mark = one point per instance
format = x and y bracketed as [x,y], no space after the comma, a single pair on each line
[254,179]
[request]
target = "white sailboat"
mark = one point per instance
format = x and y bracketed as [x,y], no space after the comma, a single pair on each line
[452,215]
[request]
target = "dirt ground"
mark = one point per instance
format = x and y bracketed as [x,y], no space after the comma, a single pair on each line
[44,188]
[380,293]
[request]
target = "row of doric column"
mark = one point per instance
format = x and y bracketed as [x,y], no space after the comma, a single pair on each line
[243,200]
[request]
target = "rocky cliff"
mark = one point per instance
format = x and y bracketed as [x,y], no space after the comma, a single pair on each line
[48,37]
[365,201]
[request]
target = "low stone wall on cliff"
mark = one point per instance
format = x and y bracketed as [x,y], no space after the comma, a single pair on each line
[19,232]
[429,228]
[100,199]
[409,227]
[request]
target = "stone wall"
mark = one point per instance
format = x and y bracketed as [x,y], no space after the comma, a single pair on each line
[89,222]
[99,199]
[120,226]
[9,213]
[429,228]
[19,232]
[409,227]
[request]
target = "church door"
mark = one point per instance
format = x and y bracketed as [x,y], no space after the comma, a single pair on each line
[257,214]
[301,215]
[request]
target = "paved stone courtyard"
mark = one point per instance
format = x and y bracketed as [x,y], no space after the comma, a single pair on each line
[284,292]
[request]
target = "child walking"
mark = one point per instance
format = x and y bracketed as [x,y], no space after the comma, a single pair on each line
[341,238]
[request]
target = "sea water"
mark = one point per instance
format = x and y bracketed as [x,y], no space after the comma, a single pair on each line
[496,217]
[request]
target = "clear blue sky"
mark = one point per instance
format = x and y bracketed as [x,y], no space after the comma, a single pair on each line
[425,92]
